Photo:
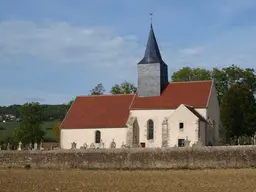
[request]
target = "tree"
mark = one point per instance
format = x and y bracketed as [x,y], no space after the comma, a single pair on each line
[124,88]
[191,74]
[56,129]
[98,90]
[30,129]
[221,82]
[69,104]
[238,111]
[223,78]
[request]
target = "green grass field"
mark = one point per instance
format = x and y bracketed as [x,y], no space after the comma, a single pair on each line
[9,127]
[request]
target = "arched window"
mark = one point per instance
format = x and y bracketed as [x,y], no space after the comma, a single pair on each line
[97,137]
[150,130]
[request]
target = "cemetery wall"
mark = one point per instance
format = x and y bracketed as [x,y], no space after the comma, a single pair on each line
[140,158]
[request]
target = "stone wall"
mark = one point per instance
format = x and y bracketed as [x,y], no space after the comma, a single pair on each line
[171,158]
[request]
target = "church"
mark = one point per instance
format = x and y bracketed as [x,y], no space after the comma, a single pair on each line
[160,114]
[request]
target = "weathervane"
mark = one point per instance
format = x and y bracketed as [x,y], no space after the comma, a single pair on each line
[151,15]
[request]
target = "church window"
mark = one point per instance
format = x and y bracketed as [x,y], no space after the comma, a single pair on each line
[150,128]
[97,137]
[181,125]
[181,142]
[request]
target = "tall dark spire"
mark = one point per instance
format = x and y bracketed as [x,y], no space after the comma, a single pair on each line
[152,53]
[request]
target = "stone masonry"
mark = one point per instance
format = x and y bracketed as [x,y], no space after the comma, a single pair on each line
[140,158]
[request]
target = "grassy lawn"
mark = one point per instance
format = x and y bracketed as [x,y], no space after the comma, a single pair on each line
[125,181]
[10,126]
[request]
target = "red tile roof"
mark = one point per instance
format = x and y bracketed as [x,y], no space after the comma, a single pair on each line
[98,111]
[192,93]
[109,111]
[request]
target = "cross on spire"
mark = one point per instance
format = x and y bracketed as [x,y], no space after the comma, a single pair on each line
[151,16]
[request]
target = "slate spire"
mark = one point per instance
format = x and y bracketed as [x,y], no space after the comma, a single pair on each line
[152,53]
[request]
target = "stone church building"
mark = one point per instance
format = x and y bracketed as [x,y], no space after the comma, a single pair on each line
[160,114]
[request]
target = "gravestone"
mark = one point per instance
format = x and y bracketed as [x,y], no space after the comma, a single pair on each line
[41,145]
[8,147]
[73,145]
[198,144]
[113,144]
[123,145]
[19,146]
[102,144]
[135,145]
[30,146]
[238,141]
[186,142]
[35,146]
[92,146]
[84,146]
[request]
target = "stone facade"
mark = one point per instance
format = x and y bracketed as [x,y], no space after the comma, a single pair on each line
[152,79]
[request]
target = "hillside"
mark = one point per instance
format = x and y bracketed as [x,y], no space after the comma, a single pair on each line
[50,112]
[6,130]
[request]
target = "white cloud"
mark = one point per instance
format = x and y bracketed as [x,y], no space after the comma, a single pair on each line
[60,42]
[116,56]
[234,46]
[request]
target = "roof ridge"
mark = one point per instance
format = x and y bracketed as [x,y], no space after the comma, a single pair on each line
[188,105]
[196,81]
[133,100]
[105,95]
[195,112]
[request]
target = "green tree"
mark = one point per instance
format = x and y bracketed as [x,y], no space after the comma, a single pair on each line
[191,74]
[227,76]
[221,82]
[30,129]
[223,78]
[69,105]
[56,129]
[98,90]
[234,73]
[238,111]
[123,88]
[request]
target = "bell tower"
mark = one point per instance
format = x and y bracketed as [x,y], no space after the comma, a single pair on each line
[152,70]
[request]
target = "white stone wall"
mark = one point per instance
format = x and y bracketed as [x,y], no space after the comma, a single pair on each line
[81,136]
[213,112]
[203,128]
[202,111]
[182,114]
[190,121]
[157,116]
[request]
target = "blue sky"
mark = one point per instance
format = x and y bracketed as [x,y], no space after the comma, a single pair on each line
[52,51]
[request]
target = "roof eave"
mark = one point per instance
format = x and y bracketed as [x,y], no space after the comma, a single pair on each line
[61,125]
[210,93]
